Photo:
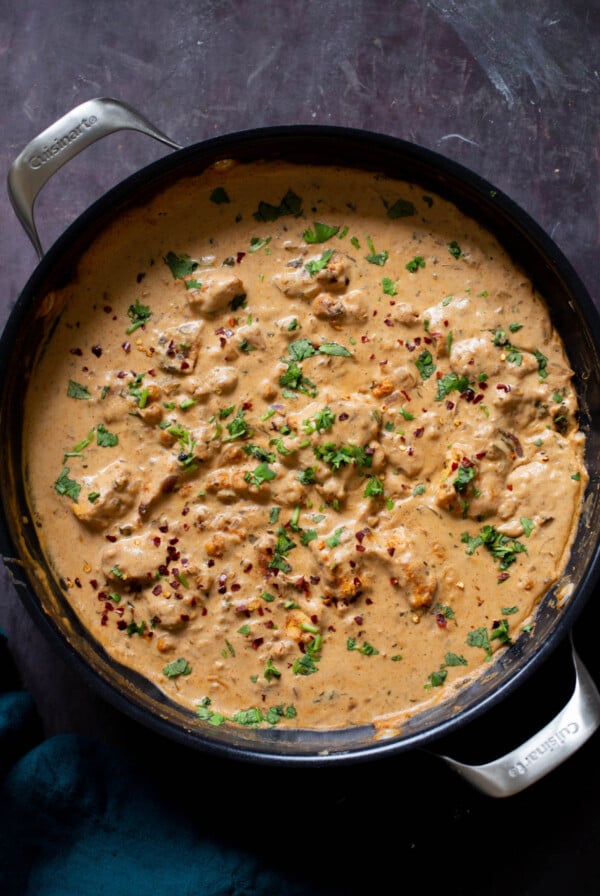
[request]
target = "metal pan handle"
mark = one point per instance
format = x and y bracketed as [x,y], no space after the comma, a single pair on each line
[63,140]
[546,750]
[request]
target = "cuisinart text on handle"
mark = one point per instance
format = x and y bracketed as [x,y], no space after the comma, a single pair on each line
[48,152]
[554,742]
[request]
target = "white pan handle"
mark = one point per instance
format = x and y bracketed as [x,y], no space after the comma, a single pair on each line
[546,750]
[63,140]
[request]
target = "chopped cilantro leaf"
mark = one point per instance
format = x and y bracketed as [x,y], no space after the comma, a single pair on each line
[138,315]
[180,265]
[104,438]
[425,364]
[177,667]
[76,390]
[401,208]
[66,486]
[320,234]
[318,264]
[262,473]
[291,204]
[219,196]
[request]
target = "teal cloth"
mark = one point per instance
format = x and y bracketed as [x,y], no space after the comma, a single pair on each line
[80,818]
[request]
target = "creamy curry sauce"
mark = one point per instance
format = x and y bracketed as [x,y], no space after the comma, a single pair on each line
[303,446]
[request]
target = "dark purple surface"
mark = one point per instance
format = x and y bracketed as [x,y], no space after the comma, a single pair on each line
[510,90]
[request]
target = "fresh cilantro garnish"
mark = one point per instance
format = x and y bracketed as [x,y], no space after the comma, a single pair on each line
[334,540]
[334,348]
[454,249]
[449,383]
[177,667]
[465,474]
[306,477]
[401,208]
[479,638]
[528,526]
[271,671]
[259,453]
[294,379]
[542,364]
[379,258]
[301,349]
[104,438]
[366,649]
[338,456]
[321,422]
[291,204]
[283,546]
[389,287]
[219,196]
[76,390]
[320,234]
[307,536]
[66,486]
[257,243]
[415,263]
[138,315]
[180,265]
[262,473]
[238,427]
[425,364]
[501,547]
[318,264]
[374,487]
[238,302]
[418,490]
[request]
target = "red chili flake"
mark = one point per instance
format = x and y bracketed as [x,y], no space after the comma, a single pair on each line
[371,357]
[441,620]
[269,623]
[361,534]
[445,323]
[184,365]
[223,341]
[510,488]
[503,577]
[314,580]
[364,339]
[78,582]
[111,538]
[406,395]
[75,351]
[94,583]
[410,346]
[122,374]
[360,547]
[85,369]
[236,586]
[185,511]
[97,350]
[257,643]
[468,395]
[102,595]
[454,465]
[156,541]
[204,611]
[391,551]
[104,619]
[480,455]
[173,540]
[344,416]
[152,372]
[478,398]
[450,405]
[483,385]
[382,363]
[388,322]
[410,451]
[427,340]
[163,570]
[126,346]
[157,590]
[369,601]
[107,309]
[184,617]
[375,313]
[164,528]
[239,256]
[503,387]
[121,625]
[358,620]
[210,562]
[419,432]
[394,581]
[108,606]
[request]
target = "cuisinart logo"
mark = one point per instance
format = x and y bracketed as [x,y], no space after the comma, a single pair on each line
[552,743]
[46,153]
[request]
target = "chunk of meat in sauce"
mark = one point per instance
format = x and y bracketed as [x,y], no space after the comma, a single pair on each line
[116,489]
[218,290]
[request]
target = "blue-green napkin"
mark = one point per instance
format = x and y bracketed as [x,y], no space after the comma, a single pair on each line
[80,818]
